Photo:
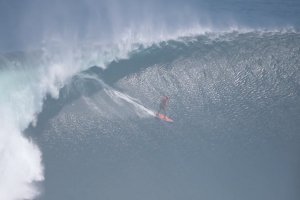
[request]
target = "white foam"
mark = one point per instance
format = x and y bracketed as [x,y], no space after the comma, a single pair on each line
[20,160]
[23,90]
[141,110]
[116,96]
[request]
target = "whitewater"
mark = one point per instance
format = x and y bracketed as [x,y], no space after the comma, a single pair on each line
[26,80]
[78,104]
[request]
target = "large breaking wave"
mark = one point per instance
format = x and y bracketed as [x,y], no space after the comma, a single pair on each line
[80,68]
[208,76]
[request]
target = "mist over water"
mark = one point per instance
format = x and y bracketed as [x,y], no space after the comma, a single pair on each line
[31,23]
[80,82]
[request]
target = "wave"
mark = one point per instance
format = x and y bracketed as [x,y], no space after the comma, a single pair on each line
[252,69]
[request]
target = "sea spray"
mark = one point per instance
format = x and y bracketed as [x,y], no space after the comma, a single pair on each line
[25,81]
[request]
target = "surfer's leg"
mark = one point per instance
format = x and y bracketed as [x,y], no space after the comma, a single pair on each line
[158,111]
[160,108]
[165,112]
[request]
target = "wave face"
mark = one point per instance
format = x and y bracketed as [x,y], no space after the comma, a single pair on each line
[235,103]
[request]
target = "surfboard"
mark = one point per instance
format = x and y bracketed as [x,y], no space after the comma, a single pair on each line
[164,117]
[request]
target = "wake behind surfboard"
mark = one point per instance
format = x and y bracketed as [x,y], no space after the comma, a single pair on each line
[164,117]
[114,93]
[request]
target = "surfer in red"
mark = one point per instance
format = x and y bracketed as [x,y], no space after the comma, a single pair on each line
[163,105]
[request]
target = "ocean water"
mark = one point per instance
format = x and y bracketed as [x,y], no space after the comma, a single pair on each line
[80,82]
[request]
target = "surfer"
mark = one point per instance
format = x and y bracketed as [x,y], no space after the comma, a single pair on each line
[163,105]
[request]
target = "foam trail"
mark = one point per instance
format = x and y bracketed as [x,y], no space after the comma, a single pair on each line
[141,110]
